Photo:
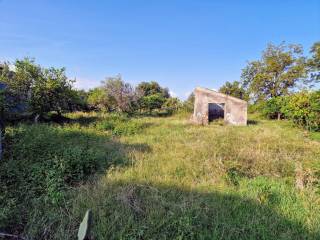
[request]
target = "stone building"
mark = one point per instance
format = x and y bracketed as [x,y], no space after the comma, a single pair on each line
[210,105]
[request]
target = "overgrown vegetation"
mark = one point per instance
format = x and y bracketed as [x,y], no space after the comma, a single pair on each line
[302,108]
[282,84]
[146,176]
[166,179]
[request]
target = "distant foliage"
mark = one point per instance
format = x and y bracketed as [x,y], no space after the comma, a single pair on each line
[188,105]
[151,96]
[234,89]
[172,105]
[152,102]
[121,95]
[151,88]
[98,100]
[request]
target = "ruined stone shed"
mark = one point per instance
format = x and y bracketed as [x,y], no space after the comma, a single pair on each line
[210,105]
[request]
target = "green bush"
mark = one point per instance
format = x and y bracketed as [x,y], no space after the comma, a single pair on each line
[172,105]
[105,125]
[127,128]
[119,124]
[304,109]
[41,162]
[272,108]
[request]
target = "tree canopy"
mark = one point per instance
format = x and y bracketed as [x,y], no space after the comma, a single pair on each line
[234,89]
[37,90]
[314,62]
[150,88]
[121,95]
[278,71]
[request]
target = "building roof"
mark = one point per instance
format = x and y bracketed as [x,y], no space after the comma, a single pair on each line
[210,91]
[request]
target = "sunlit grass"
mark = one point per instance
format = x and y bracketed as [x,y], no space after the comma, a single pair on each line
[182,181]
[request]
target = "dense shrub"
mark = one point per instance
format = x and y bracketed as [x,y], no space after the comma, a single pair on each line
[127,128]
[273,107]
[41,162]
[302,108]
[119,124]
[172,105]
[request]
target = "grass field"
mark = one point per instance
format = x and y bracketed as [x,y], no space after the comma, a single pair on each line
[160,178]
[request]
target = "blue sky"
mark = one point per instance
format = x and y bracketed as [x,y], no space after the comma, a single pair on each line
[180,44]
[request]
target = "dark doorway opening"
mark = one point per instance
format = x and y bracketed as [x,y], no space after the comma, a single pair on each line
[215,111]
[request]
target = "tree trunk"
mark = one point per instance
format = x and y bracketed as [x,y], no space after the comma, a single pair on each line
[36,118]
[279,116]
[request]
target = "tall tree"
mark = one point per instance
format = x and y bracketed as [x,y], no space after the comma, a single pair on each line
[234,89]
[120,94]
[314,63]
[277,72]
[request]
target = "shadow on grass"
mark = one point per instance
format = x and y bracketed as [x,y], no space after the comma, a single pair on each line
[42,162]
[61,119]
[128,210]
[154,114]
[84,120]
[252,122]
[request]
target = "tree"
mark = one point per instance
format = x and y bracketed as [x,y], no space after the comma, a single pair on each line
[171,105]
[150,88]
[150,92]
[98,99]
[5,73]
[52,91]
[234,89]
[120,94]
[38,90]
[272,108]
[276,73]
[188,104]
[80,100]
[314,62]
[154,101]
